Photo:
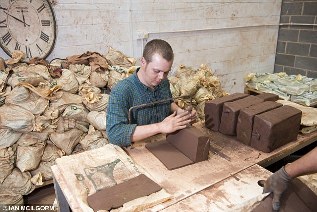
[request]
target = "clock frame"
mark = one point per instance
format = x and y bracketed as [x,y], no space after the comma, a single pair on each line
[28,26]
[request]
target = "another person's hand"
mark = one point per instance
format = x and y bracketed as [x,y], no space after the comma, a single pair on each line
[277,183]
[175,122]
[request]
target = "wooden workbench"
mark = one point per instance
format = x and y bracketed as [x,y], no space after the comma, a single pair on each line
[228,159]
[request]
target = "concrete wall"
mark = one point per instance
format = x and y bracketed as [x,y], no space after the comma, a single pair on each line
[297,45]
[232,37]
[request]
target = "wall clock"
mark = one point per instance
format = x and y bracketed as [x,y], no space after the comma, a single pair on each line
[28,26]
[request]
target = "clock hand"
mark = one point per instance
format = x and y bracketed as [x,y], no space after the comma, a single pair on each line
[16,18]
[23,17]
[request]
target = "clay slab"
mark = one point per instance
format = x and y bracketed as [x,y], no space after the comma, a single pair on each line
[115,196]
[171,157]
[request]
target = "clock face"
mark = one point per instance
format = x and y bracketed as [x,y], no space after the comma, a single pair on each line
[28,26]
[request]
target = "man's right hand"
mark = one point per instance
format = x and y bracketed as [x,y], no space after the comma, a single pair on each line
[277,183]
[175,122]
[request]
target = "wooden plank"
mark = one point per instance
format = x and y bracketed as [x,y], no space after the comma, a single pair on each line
[239,192]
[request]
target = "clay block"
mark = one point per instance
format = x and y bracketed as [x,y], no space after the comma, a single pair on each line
[275,128]
[181,148]
[115,196]
[171,157]
[191,142]
[213,109]
[268,96]
[246,116]
[297,197]
[231,111]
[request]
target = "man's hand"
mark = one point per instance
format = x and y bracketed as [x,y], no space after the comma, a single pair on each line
[191,110]
[175,122]
[277,183]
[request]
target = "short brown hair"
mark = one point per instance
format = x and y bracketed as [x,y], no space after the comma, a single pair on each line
[160,47]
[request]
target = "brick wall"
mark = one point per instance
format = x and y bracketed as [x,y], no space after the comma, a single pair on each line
[296,51]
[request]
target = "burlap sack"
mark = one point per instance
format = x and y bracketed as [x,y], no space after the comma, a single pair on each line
[43,122]
[96,104]
[40,70]
[188,87]
[116,57]
[11,199]
[81,72]
[30,150]
[94,59]
[51,153]
[44,170]
[16,57]
[8,137]
[174,90]
[77,112]
[33,74]
[66,99]
[114,78]
[97,119]
[7,157]
[68,81]
[67,141]
[184,72]
[86,88]
[17,183]
[38,61]
[202,95]
[99,78]
[16,118]
[3,79]
[65,124]
[26,99]
[309,114]
[94,139]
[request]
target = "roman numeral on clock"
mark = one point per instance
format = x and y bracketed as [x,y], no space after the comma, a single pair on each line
[44,37]
[39,48]
[7,38]
[28,52]
[41,8]
[46,22]
[17,46]
[3,24]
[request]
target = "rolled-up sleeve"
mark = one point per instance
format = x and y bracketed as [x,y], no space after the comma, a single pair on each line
[118,129]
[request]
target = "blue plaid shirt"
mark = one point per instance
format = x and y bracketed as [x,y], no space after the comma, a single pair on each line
[131,92]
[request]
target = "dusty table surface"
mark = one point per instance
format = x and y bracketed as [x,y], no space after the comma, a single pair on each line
[227,157]
[239,192]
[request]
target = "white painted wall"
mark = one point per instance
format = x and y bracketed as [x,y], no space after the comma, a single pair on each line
[232,37]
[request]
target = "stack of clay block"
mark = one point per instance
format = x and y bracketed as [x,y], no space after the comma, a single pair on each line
[256,121]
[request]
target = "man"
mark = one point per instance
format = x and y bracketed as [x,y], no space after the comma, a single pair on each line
[148,84]
[278,182]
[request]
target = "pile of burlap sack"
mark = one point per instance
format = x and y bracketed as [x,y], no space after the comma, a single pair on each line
[48,110]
